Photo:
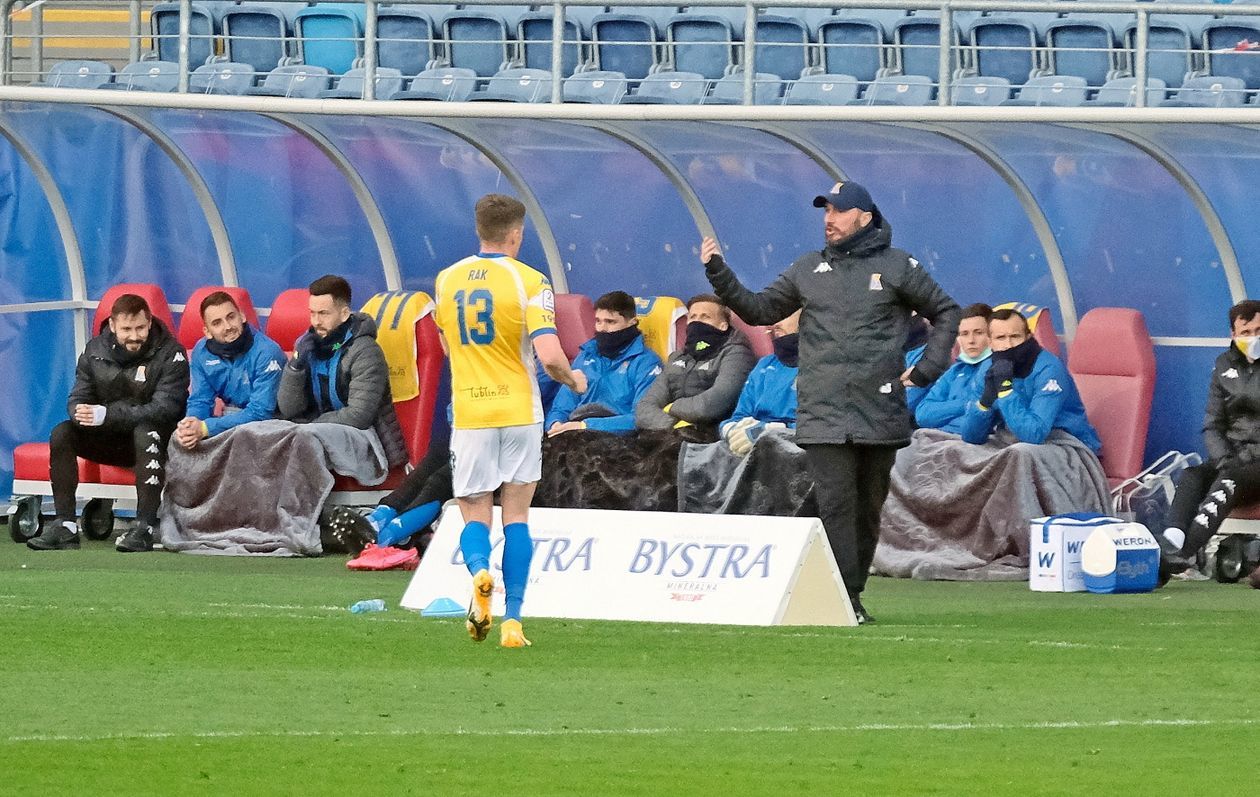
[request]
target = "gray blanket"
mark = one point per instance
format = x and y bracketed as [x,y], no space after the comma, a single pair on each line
[772,480]
[957,511]
[258,488]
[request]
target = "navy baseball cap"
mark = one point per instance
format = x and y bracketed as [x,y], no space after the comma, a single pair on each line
[846,196]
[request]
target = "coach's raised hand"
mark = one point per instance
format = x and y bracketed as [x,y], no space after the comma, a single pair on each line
[711,253]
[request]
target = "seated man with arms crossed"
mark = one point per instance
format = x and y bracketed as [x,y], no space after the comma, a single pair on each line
[1003,439]
[701,383]
[130,389]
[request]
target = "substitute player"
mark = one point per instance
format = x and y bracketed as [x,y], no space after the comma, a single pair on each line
[490,308]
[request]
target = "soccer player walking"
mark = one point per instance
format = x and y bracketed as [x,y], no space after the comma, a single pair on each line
[490,308]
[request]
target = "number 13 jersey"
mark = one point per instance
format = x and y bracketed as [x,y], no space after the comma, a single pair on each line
[489,308]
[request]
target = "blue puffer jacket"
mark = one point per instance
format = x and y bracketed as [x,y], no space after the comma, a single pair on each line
[947,400]
[617,383]
[769,395]
[247,384]
[1046,399]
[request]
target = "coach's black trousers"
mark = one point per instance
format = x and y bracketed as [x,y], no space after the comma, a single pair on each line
[431,480]
[142,449]
[850,485]
[1206,496]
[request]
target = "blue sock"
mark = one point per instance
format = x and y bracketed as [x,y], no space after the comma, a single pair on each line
[408,523]
[518,550]
[474,543]
[380,516]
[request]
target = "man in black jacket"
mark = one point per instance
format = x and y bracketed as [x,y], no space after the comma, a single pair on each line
[1231,432]
[130,389]
[857,295]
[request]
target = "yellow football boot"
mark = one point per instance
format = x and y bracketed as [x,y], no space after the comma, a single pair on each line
[511,635]
[479,617]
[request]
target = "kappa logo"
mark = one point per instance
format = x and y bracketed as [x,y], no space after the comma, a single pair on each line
[1201,519]
[680,363]
[703,366]
[179,357]
[152,449]
[1231,374]
[1052,387]
[1219,495]
[155,435]
[1211,510]
[913,263]
[656,370]
[153,480]
[885,388]
[1228,484]
[153,465]
[272,366]
[822,268]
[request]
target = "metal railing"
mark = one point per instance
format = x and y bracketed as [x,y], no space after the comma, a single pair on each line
[952,51]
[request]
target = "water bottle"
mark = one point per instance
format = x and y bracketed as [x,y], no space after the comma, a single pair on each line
[362,607]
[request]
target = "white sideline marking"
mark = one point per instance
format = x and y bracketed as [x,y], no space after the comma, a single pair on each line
[662,731]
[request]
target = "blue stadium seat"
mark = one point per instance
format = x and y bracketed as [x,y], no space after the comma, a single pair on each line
[1226,34]
[767,90]
[221,77]
[822,90]
[627,42]
[445,84]
[1083,45]
[405,39]
[899,90]
[146,76]
[1122,92]
[977,90]
[78,75]
[1060,90]
[811,18]
[481,37]
[1209,92]
[164,22]
[257,35]
[595,88]
[916,44]
[703,40]
[1004,47]
[330,35]
[669,88]
[388,83]
[1170,49]
[852,46]
[783,46]
[534,32]
[516,85]
[294,80]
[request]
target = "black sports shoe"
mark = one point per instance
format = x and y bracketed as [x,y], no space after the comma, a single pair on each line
[136,540]
[60,535]
[863,616]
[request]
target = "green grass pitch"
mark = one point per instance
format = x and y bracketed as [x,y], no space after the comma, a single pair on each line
[173,674]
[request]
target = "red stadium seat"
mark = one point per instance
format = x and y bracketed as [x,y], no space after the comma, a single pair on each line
[575,321]
[30,461]
[290,317]
[150,293]
[116,474]
[758,337]
[190,326]
[1113,364]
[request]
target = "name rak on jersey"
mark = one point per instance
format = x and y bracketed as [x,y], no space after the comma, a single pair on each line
[692,560]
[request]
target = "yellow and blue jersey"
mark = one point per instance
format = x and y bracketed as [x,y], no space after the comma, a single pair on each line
[489,308]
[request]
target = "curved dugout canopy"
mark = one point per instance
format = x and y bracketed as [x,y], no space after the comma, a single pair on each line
[1071,217]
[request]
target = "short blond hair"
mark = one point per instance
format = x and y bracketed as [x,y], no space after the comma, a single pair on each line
[497,215]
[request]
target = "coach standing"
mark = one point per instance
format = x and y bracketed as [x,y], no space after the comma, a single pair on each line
[856,295]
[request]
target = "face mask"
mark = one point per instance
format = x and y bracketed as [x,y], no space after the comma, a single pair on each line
[1024,356]
[705,340]
[1249,346]
[969,360]
[610,344]
[787,349]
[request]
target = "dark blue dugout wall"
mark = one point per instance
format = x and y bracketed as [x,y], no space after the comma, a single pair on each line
[1153,217]
[425,180]
[36,346]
